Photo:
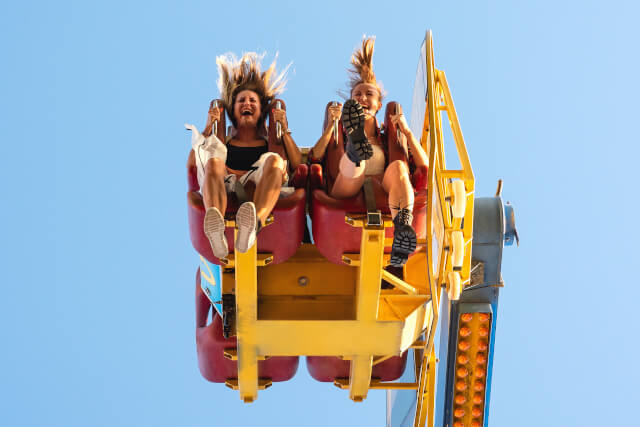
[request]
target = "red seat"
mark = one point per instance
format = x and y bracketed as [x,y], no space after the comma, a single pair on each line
[282,238]
[211,345]
[328,213]
[328,369]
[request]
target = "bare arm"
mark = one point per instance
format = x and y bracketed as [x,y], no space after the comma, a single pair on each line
[293,152]
[212,116]
[419,156]
[320,147]
[318,150]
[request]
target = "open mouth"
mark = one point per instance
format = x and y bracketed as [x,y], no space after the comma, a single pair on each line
[246,113]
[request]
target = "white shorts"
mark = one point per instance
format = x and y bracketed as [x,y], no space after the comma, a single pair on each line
[255,175]
[205,149]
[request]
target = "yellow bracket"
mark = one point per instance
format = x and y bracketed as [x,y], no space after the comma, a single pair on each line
[261,260]
[354,259]
[232,354]
[263,384]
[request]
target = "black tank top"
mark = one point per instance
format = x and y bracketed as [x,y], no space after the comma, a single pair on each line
[242,158]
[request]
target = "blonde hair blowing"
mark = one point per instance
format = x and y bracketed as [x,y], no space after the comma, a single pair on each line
[361,70]
[236,75]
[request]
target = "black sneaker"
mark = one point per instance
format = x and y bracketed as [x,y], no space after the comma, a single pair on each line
[358,146]
[404,238]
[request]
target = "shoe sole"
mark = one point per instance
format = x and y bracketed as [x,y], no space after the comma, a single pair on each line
[214,230]
[353,121]
[404,243]
[246,222]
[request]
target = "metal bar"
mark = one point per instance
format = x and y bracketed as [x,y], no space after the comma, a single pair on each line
[434,287]
[335,125]
[343,383]
[360,377]
[380,359]
[399,283]
[452,173]
[246,317]
[331,337]
[456,130]
[367,303]
[278,124]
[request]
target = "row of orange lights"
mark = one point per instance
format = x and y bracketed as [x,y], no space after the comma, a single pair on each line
[467,369]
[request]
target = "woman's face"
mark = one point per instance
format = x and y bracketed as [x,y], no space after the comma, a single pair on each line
[247,109]
[368,96]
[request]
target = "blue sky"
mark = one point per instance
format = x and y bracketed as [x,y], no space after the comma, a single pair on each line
[97,313]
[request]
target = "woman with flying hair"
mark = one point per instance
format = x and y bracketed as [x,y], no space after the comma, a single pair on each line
[247,93]
[366,155]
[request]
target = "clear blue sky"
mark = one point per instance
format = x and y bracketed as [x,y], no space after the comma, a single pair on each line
[97,271]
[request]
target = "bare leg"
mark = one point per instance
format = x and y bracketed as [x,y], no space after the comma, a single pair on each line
[268,189]
[215,203]
[397,184]
[349,180]
[213,191]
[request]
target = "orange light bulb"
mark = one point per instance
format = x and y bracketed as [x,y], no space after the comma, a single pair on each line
[462,372]
[465,332]
[460,399]
[466,317]
[475,423]
[458,413]
[478,386]
[481,358]
[483,332]
[476,411]
[477,398]
[479,372]
[461,386]
[464,345]
[463,359]
[484,317]
[482,345]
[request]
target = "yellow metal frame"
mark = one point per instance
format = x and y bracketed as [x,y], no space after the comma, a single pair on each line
[309,306]
[439,99]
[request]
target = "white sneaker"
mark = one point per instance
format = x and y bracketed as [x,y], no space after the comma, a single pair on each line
[214,230]
[246,222]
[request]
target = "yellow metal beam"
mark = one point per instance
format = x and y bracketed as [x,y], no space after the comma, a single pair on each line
[367,301]
[246,317]
[360,377]
[343,383]
[399,283]
[328,337]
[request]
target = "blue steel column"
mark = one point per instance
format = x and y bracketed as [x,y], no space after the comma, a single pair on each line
[488,240]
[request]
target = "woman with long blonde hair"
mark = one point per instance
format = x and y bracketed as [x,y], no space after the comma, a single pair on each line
[366,154]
